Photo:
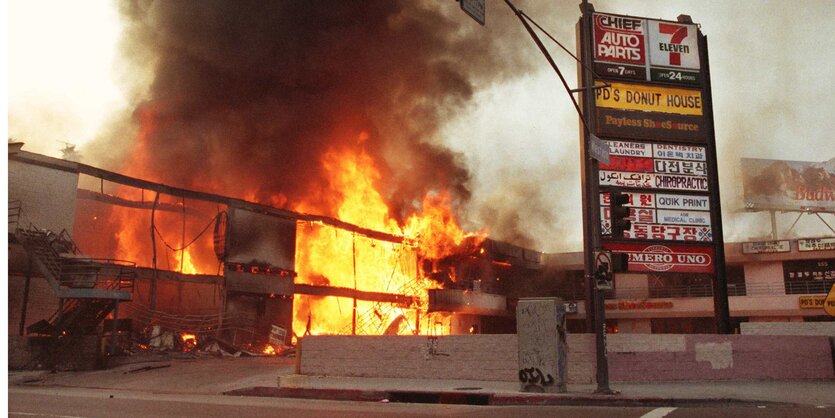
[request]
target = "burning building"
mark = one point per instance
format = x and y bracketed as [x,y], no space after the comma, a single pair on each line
[248,274]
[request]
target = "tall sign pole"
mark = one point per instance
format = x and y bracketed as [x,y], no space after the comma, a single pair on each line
[647,94]
[594,300]
[721,307]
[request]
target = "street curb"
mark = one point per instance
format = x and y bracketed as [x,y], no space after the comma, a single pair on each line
[489,398]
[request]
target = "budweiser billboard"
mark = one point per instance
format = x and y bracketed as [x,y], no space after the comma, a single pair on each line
[788,185]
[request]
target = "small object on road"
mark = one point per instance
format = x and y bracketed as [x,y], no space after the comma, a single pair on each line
[146,368]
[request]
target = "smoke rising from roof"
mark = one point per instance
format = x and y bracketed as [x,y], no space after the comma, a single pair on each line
[245,97]
[514,125]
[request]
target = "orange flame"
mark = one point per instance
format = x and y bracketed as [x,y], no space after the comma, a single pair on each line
[333,257]
[189,341]
[325,255]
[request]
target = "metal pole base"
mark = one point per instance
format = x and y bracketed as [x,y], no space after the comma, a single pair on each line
[606,391]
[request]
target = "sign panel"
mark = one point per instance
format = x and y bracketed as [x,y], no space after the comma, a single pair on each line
[651,88]
[816,244]
[619,39]
[474,8]
[675,76]
[823,269]
[662,224]
[649,98]
[668,159]
[829,303]
[606,69]
[655,258]
[673,45]
[653,181]
[659,232]
[812,302]
[648,125]
[662,201]
[629,305]
[788,185]
[630,149]
[697,168]
[641,165]
[598,149]
[682,217]
[766,247]
[686,202]
[679,152]
[644,49]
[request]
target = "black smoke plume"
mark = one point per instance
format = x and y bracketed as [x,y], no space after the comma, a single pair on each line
[246,96]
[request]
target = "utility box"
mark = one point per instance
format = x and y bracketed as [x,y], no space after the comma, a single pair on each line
[540,325]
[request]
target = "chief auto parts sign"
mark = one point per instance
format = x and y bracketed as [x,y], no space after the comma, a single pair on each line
[659,258]
[619,39]
[645,49]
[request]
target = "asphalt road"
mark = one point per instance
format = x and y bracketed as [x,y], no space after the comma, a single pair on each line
[63,402]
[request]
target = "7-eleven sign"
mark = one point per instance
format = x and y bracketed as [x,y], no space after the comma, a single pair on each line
[673,45]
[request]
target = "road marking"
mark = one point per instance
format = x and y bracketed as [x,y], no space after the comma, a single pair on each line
[30,414]
[658,413]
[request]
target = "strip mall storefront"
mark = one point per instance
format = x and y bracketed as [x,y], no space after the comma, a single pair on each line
[785,282]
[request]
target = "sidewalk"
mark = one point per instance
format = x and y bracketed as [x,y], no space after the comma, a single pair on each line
[266,376]
[817,393]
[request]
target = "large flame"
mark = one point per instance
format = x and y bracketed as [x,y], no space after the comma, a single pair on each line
[325,255]
[329,256]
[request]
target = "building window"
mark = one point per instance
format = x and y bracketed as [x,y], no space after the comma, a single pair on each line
[680,285]
[809,276]
[735,276]
[683,326]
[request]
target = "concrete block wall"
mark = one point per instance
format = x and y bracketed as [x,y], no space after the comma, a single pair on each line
[632,357]
[42,302]
[465,357]
[47,195]
[788,328]
[720,357]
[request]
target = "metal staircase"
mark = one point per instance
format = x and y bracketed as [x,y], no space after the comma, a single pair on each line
[88,289]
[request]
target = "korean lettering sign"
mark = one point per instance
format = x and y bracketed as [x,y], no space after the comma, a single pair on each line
[663,217]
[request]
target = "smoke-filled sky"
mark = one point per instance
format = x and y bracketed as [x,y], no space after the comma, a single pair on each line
[475,109]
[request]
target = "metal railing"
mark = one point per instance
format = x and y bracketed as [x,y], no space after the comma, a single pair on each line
[15,208]
[809,286]
[99,273]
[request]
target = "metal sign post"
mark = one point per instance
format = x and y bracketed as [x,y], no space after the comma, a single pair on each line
[474,8]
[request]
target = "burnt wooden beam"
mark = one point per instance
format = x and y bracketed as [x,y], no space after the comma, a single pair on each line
[115,200]
[312,290]
[58,164]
